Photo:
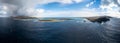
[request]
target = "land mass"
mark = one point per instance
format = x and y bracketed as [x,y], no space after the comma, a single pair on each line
[98,19]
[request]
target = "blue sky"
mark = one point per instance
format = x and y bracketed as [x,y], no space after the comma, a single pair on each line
[73,6]
[72,9]
[60,8]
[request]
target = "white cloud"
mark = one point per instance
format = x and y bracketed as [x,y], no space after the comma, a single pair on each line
[70,13]
[3,12]
[40,10]
[30,12]
[31,3]
[64,13]
[26,7]
[66,1]
[112,13]
[109,4]
[110,8]
[7,10]
[119,1]
[60,1]
[91,3]
[78,1]
[42,2]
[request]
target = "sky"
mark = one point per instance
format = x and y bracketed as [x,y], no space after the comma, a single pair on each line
[60,8]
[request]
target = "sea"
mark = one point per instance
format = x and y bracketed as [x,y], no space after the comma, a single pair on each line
[69,30]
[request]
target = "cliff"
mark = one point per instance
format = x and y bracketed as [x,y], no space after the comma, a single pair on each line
[99,19]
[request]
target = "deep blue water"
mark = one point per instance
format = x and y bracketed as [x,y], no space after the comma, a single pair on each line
[68,31]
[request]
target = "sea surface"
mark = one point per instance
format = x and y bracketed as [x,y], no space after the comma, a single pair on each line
[73,30]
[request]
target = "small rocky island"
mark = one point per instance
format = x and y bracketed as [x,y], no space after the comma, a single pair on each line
[99,19]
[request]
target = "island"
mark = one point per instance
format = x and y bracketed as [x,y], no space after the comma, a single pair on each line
[99,19]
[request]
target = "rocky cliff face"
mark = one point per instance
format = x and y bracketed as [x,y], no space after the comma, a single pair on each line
[98,19]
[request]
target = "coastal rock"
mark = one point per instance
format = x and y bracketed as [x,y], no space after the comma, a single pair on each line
[98,19]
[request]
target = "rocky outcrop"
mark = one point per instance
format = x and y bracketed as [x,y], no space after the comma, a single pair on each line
[98,19]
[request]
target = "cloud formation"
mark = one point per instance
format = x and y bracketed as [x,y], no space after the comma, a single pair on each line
[7,9]
[111,7]
[27,8]
[31,3]
[91,3]
[70,13]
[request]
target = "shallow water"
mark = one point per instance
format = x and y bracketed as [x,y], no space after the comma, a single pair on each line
[68,31]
